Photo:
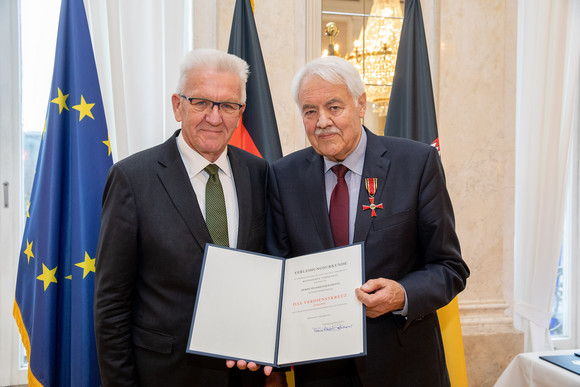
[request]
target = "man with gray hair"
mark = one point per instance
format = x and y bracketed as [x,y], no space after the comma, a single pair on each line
[160,208]
[353,186]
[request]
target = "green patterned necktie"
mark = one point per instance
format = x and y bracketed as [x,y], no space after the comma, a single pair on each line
[215,207]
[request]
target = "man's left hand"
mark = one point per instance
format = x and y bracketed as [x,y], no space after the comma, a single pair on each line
[381,296]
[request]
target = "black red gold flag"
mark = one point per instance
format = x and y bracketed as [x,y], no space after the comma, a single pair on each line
[258,131]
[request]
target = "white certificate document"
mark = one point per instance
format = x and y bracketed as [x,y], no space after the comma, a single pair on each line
[277,311]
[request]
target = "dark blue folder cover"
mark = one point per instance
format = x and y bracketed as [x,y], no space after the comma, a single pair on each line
[569,362]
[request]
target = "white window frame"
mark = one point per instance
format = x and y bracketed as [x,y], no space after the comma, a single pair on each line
[571,255]
[11,372]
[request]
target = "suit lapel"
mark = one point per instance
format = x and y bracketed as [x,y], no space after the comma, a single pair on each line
[174,178]
[313,176]
[244,194]
[376,164]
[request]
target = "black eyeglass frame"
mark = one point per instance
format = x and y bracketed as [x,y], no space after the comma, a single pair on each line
[213,103]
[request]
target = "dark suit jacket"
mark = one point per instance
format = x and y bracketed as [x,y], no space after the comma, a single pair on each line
[149,259]
[412,240]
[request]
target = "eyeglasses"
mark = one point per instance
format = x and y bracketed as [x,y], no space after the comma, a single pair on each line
[202,105]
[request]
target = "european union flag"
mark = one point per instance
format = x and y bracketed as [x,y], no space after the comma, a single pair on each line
[54,292]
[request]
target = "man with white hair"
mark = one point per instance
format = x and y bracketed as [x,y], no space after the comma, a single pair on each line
[160,208]
[353,186]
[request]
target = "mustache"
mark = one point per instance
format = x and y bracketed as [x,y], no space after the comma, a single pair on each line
[322,132]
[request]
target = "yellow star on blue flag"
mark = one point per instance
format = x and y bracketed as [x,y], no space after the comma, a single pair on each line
[87,265]
[47,276]
[60,101]
[84,108]
[28,251]
[108,144]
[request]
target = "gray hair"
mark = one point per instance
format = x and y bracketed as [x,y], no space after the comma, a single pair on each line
[206,58]
[332,69]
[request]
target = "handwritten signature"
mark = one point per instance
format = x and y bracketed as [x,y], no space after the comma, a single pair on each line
[331,328]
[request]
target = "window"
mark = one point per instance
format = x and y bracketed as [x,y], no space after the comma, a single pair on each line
[366,33]
[564,326]
[27,39]
[39,24]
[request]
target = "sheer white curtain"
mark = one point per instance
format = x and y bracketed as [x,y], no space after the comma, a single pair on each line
[138,48]
[546,114]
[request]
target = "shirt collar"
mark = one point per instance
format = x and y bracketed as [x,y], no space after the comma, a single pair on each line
[195,163]
[354,161]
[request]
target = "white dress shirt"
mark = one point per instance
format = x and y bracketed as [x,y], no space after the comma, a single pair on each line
[194,164]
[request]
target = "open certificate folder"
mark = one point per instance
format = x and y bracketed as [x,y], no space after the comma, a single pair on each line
[279,312]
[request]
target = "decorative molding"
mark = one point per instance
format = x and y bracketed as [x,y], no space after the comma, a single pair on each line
[485,317]
[313,28]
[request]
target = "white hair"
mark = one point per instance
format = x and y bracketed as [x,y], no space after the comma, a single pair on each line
[206,58]
[332,69]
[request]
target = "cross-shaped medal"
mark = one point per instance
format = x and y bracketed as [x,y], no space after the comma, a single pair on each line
[371,186]
[373,206]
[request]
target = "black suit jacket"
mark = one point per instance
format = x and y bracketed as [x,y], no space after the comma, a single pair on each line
[412,240]
[149,259]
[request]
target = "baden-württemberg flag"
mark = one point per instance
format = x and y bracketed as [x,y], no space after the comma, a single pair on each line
[411,114]
[54,292]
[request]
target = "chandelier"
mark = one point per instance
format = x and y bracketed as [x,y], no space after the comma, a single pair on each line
[375,52]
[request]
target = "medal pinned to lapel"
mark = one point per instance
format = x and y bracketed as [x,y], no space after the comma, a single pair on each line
[371,185]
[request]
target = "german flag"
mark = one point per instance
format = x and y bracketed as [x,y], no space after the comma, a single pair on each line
[257,131]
